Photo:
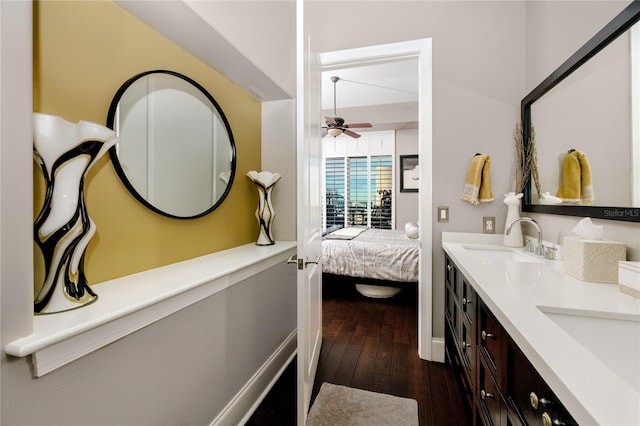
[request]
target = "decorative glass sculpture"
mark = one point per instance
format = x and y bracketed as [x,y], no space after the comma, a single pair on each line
[265,182]
[65,152]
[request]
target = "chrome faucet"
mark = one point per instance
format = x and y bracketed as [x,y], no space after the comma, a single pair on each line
[539,248]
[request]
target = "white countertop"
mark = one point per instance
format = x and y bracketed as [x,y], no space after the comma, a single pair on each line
[518,292]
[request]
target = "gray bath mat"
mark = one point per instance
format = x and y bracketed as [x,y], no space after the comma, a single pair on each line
[343,406]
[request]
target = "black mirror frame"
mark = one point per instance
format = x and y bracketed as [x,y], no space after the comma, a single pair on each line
[618,25]
[116,161]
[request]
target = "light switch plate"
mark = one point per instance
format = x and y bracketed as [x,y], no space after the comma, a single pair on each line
[443,214]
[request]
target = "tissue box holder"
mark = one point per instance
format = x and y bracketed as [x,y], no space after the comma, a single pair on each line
[593,260]
[629,278]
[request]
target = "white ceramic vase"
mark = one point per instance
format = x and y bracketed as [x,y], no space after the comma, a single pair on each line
[65,152]
[514,239]
[265,182]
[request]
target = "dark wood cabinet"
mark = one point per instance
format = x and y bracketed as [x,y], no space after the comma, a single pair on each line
[460,341]
[531,399]
[499,384]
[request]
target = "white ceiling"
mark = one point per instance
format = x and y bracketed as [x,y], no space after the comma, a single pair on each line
[384,94]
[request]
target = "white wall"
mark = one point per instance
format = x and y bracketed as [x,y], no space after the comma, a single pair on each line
[181,370]
[16,181]
[279,155]
[478,81]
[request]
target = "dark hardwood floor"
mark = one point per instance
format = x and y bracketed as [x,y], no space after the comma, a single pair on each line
[371,344]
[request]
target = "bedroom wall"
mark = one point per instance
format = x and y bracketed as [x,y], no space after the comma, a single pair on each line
[406,202]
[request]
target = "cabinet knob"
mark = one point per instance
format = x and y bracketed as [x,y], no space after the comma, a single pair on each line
[533,398]
[486,335]
[465,301]
[484,395]
[465,345]
[451,268]
[546,420]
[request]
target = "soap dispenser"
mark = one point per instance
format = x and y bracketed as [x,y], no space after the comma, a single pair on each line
[514,239]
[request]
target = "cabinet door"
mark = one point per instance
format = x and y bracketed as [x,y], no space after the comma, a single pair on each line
[489,398]
[468,349]
[448,302]
[528,394]
[491,342]
[467,301]
[450,271]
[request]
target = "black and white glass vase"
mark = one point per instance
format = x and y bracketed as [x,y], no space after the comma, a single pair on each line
[265,182]
[65,151]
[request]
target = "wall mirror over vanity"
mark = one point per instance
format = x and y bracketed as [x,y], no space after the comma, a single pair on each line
[176,154]
[591,104]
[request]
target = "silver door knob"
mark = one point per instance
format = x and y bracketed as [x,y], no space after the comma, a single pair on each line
[307,262]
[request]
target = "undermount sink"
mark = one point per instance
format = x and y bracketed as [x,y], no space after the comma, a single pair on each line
[614,341]
[500,253]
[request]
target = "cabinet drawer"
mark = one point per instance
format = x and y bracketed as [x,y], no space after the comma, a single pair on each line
[468,301]
[529,396]
[491,341]
[468,349]
[489,399]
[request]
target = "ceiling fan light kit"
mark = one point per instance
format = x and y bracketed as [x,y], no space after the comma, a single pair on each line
[335,125]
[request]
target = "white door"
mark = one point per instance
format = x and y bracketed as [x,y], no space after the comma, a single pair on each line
[309,157]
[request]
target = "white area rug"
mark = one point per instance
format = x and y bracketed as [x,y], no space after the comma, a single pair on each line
[340,405]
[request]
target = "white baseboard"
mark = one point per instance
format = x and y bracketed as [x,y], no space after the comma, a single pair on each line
[242,406]
[437,349]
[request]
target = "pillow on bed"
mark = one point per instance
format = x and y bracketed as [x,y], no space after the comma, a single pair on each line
[411,230]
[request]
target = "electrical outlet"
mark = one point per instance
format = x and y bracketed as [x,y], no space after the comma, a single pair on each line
[443,214]
[489,225]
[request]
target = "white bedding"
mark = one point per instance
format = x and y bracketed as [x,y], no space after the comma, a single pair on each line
[375,253]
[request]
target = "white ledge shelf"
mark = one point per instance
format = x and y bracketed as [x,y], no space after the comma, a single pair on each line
[130,303]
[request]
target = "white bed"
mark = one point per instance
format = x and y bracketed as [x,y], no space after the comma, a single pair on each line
[372,254]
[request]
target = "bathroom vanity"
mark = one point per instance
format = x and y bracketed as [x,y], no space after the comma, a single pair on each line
[532,345]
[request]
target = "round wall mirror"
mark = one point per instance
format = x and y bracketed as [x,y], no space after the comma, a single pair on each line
[176,153]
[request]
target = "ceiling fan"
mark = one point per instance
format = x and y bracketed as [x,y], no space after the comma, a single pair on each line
[335,126]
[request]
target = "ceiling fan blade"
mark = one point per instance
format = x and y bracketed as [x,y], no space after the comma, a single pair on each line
[352,134]
[358,125]
[324,133]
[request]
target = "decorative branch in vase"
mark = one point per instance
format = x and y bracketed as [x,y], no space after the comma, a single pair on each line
[526,160]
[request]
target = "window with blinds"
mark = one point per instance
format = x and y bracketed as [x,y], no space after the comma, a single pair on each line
[334,189]
[381,190]
[359,185]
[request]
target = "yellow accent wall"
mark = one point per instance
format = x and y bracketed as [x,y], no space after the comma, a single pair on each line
[83,52]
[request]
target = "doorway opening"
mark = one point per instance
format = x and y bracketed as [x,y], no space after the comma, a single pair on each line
[420,50]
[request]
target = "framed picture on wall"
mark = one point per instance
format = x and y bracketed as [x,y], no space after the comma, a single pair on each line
[409,173]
